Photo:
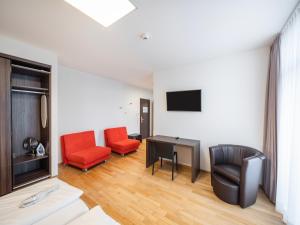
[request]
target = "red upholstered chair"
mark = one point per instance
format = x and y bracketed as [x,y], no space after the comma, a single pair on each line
[117,139]
[80,150]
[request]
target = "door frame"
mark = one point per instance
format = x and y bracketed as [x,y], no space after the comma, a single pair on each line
[149,117]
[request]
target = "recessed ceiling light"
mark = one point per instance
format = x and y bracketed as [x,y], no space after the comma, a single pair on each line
[105,12]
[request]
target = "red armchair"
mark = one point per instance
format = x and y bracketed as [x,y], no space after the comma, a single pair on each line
[80,150]
[117,140]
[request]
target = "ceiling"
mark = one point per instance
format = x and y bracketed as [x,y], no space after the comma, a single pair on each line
[183,32]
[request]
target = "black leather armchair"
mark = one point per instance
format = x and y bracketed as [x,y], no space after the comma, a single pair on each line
[235,173]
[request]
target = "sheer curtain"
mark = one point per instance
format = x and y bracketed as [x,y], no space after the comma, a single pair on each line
[270,138]
[288,118]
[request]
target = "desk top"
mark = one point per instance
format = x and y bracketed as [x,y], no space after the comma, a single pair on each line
[173,140]
[134,135]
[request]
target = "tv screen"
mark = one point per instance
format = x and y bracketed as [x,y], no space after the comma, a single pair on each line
[184,100]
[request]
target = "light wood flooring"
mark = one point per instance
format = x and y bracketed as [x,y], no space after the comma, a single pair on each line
[128,192]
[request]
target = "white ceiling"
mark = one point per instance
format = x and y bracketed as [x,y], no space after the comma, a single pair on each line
[183,32]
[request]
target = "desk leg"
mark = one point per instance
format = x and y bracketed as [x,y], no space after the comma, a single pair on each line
[148,154]
[195,162]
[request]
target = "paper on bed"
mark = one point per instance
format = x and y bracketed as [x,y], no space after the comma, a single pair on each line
[11,214]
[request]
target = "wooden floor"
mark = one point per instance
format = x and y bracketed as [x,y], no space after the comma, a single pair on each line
[128,192]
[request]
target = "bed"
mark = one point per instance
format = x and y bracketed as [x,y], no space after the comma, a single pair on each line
[61,207]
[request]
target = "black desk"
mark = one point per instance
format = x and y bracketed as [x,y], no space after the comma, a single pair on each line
[135,136]
[193,144]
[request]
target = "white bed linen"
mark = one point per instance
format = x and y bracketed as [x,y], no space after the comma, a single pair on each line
[96,216]
[11,214]
[66,214]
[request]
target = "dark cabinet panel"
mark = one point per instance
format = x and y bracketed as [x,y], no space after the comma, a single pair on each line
[29,84]
[23,84]
[5,128]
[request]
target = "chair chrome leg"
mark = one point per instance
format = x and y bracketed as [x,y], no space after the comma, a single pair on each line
[84,170]
[161,159]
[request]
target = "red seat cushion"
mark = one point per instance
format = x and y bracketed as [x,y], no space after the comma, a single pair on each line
[89,155]
[116,134]
[80,150]
[126,145]
[117,139]
[75,142]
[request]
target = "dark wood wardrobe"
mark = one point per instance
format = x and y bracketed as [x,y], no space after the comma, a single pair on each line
[22,85]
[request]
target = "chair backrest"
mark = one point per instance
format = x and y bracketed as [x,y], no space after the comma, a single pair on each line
[234,154]
[75,142]
[164,150]
[116,134]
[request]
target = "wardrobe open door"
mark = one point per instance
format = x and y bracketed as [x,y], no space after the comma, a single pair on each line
[5,127]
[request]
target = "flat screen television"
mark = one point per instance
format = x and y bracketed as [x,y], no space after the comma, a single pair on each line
[184,100]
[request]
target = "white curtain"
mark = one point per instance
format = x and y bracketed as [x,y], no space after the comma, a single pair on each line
[288,118]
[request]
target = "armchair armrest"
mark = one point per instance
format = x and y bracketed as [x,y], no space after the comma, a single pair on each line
[250,178]
[216,156]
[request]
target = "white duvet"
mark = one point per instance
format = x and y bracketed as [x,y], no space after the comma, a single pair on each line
[66,214]
[11,214]
[96,216]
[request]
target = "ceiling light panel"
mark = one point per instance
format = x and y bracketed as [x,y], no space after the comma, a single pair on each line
[105,12]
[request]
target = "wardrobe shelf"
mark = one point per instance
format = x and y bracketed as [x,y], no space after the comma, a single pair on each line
[30,177]
[21,69]
[27,158]
[30,90]
[27,88]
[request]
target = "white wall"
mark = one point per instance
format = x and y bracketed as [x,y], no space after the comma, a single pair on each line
[233,99]
[23,50]
[90,102]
